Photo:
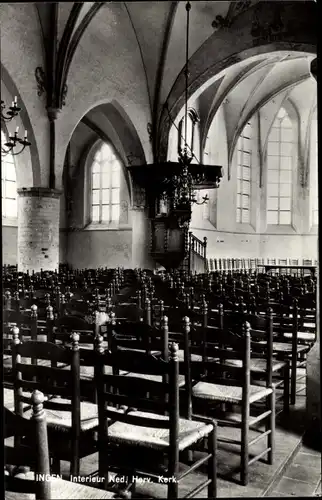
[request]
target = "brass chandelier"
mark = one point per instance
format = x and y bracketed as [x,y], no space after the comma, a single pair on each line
[14,140]
[171,186]
[183,184]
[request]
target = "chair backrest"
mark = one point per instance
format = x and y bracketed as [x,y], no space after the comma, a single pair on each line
[219,347]
[32,452]
[119,390]
[139,336]
[51,380]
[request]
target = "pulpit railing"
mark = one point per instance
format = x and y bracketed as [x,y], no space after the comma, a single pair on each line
[197,254]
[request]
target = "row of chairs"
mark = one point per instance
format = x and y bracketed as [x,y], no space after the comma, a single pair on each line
[231,264]
[163,433]
[150,284]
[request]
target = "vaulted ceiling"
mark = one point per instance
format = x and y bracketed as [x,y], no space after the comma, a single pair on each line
[242,53]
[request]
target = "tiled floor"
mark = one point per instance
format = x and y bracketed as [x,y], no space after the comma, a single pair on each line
[303,475]
[297,477]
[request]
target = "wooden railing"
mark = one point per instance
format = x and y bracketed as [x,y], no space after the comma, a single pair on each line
[227,264]
[197,254]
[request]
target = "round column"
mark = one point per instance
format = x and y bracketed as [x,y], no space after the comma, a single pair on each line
[38,229]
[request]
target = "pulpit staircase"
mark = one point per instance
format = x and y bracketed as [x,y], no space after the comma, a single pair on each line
[196,258]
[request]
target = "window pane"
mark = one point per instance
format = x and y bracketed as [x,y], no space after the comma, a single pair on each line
[106,152]
[105,196]
[272,217]
[238,204]
[239,153]
[115,195]
[247,130]
[116,179]
[246,159]
[286,148]
[96,167]
[273,162]
[273,148]
[11,208]
[106,176]
[272,176]
[245,201]
[238,215]
[10,172]
[272,189]
[315,217]
[95,213]
[246,187]
[285,176]
[287,135]
[286,123]
[272,204]
[11,191]
[245,216]
[246,173]
[285,203]
[95,181]
[115,213]
[238,172]
[106,213]
[239,186]
[274,134]
[285,217]
[247,144]
[285,190]
[281,113]
[98,156]
[115,164]
[95,197]
[4,207]
[286,163]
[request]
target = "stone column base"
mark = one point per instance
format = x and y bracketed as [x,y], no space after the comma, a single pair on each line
[38,229]
[313,391]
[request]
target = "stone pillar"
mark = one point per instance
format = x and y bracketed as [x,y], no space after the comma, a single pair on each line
[141,240]
[313,383]
[38,229]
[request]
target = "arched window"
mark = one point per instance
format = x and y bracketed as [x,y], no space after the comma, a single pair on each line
[279,170]
[192,119]
[8,184]
[244,164]
[105,186]
[314,172]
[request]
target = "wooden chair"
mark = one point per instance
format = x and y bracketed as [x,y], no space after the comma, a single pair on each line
[149,437]
[263,365]
[71,423]
[27,466]
[222,383]
[286,344]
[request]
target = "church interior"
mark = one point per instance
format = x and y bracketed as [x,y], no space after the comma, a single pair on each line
[160,269]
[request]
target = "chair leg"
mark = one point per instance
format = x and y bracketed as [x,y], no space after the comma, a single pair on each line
[173,488]
[55,465]
[286,402]
[271,426]
[74,465]
[293,380]
[212,463]
[244,446]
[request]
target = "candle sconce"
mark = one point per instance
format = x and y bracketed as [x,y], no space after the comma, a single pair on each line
[7,115]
